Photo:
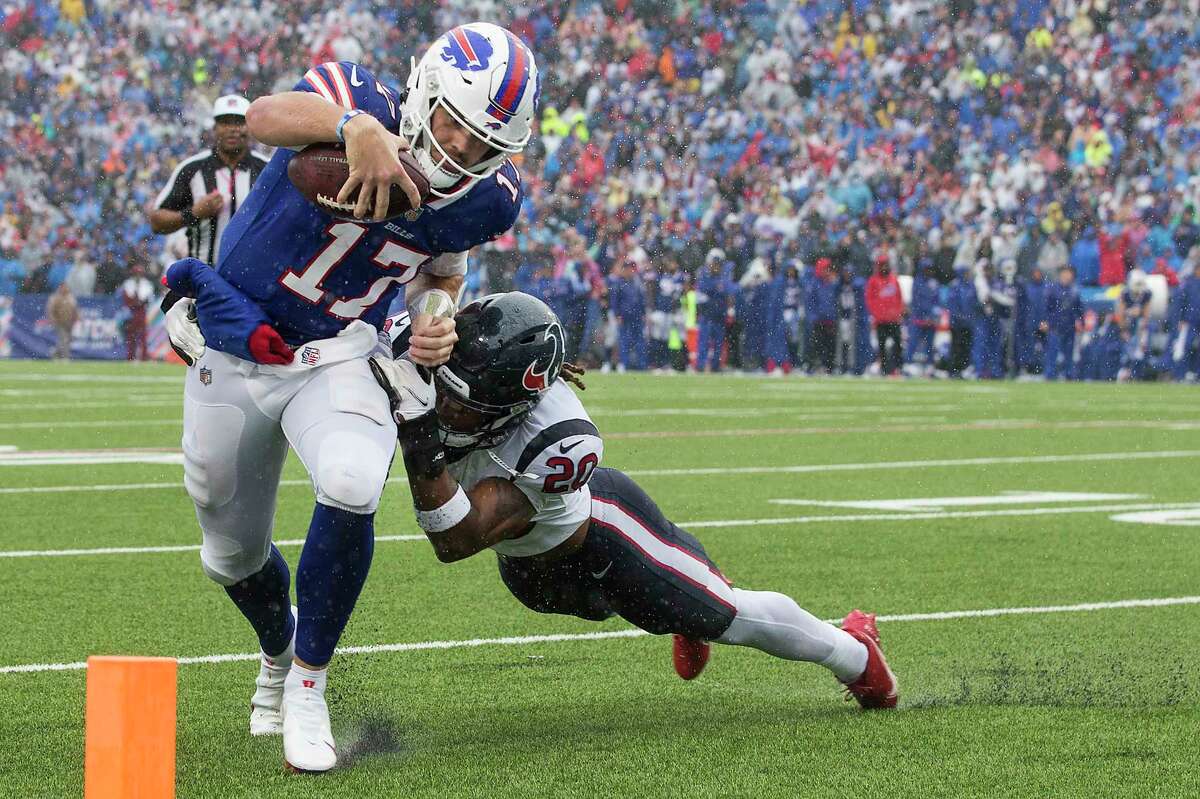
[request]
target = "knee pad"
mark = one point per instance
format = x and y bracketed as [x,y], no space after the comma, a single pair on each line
[229,569]
[350,474]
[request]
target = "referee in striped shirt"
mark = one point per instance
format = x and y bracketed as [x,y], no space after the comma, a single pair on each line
[205,190]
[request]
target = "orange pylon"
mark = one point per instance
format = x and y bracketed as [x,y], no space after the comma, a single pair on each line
[129,750]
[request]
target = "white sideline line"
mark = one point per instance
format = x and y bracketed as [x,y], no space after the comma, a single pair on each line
[370,649]
[771,521]
[698,472]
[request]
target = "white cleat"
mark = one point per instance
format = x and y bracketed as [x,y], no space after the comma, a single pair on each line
[265,718]
[308,744]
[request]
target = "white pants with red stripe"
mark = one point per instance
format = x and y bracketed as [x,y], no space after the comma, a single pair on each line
[637,564]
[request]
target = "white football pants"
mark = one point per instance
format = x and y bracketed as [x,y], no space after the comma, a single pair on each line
[240,417]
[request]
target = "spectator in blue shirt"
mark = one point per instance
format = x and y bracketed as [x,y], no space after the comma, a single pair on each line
[1064,318]
[714,305]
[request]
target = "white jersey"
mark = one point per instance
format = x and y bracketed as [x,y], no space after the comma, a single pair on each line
[550,457]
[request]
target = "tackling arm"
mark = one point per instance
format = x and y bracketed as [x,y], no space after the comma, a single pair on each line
[497,511]
[457,523]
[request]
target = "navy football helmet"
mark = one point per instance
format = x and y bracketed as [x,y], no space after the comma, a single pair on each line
[510,351]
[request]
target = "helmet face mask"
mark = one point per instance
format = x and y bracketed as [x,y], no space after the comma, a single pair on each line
[466,427]
[486,80]
[510,352]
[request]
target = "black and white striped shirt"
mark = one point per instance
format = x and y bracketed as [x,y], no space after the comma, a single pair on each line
[196,177]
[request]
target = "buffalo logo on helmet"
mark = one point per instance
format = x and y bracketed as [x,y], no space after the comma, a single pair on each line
[467,50]
[534,380]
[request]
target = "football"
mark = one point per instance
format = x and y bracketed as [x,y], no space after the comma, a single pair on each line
[320,170]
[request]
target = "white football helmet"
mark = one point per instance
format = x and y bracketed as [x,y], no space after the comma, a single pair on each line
[1136,280]
[485,78]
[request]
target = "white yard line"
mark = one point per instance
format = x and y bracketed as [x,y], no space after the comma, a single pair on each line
[725,523]
[89,457]
[809,468]
[921,464]
[974,425]
[54,424]
[524,640]
[66,553]
[791,411]
[938,504]
[958,514]
[44,377]
[981,425]
[117,402]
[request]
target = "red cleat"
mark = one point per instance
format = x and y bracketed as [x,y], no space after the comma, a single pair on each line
[877,688]
[690,656]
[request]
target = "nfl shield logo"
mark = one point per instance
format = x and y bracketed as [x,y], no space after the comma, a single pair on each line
[205,375]
[414,214]
[310,356]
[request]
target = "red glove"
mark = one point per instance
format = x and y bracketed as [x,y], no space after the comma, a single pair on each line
[267,346]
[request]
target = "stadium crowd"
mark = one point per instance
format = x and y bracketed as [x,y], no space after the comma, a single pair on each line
[717,183]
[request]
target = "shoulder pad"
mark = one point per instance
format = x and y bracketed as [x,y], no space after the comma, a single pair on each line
[561,458]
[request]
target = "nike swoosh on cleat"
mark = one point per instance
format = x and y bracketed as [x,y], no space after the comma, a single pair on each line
[563,448]
[600,574]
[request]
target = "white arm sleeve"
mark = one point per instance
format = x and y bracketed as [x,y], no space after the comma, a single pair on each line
[447,264]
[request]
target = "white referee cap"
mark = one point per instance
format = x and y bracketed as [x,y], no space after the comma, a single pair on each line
[230,105]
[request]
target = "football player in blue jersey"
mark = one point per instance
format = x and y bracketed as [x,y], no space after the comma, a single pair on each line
[501,454]
[280,331]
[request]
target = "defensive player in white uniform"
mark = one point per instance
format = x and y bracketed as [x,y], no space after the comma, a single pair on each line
[501,454]
[280,331]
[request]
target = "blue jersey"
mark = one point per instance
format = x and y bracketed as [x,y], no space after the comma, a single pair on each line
[1002,288]
[1189,291]
[627,299]
[716,294]
[1064,307]
[822,300]
[312,274]
[926,293]
[1136,305]
[791,294]
[669,291]
[1031,304]
[963,301]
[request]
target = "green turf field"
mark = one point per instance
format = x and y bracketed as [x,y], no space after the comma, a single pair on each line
[1043,504]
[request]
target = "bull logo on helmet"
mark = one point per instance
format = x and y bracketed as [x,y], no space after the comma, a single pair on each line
[467,50]
[533,380]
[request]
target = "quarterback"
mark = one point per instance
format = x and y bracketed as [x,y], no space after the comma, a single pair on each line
[278,336]
[501,454]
